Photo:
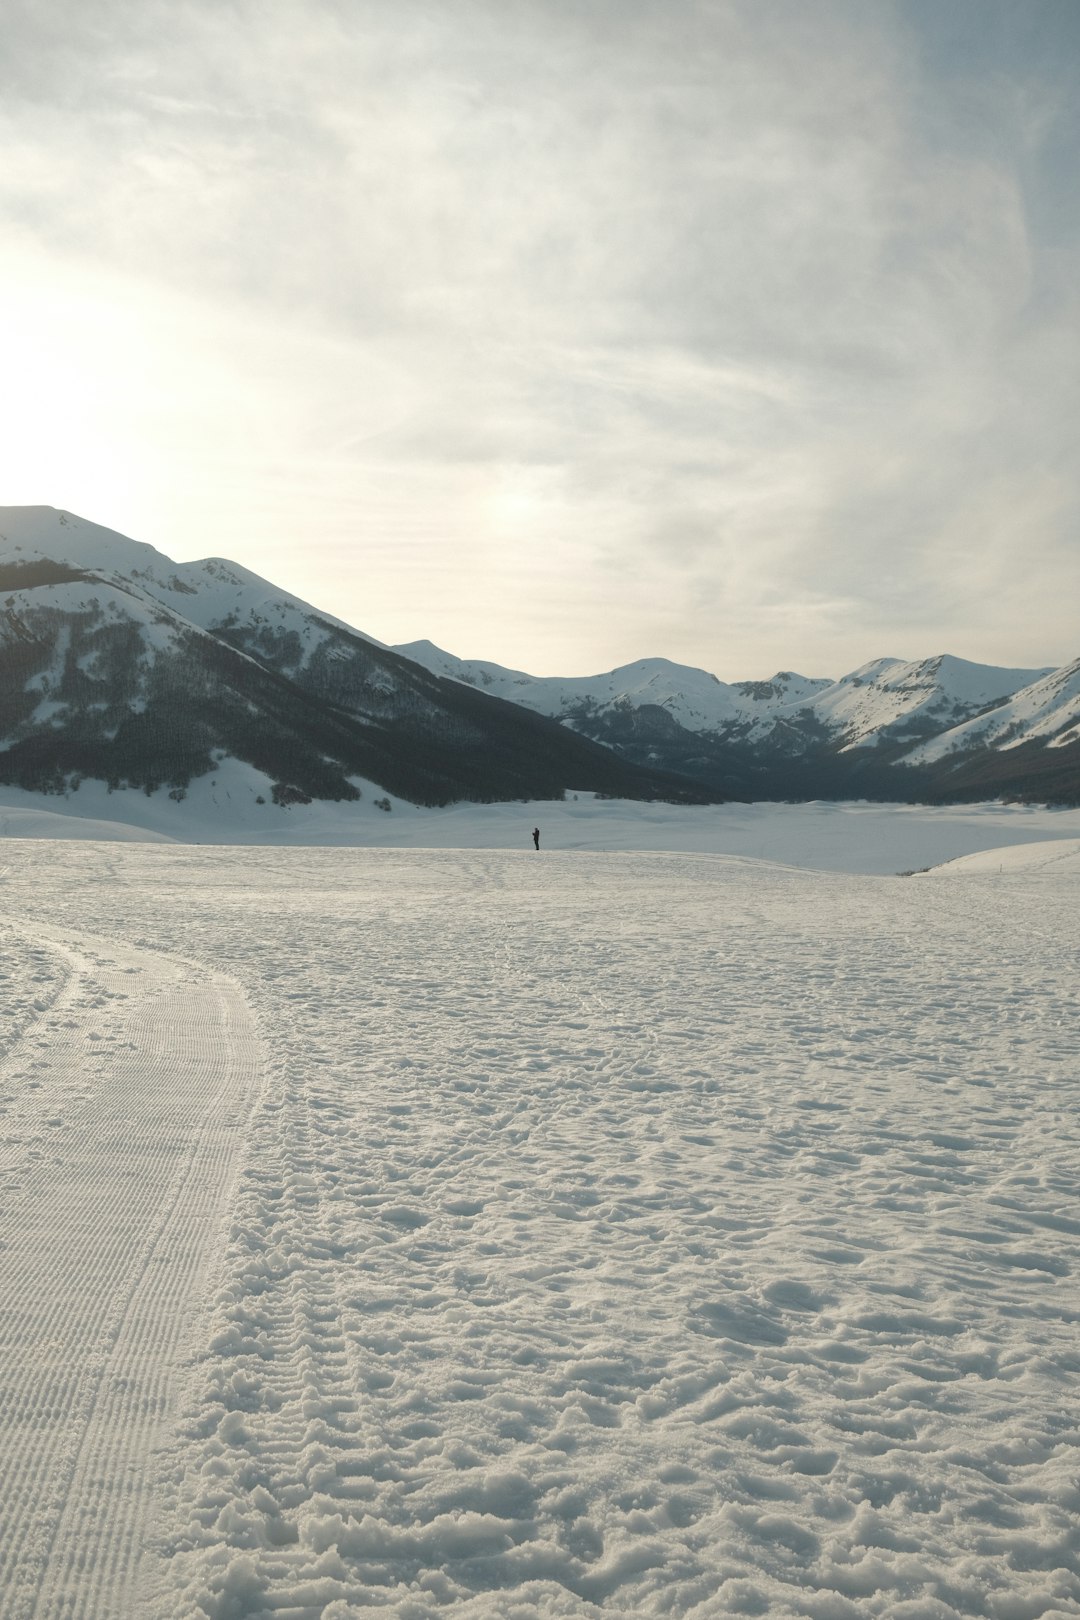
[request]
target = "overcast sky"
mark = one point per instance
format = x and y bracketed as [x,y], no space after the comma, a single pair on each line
[564,332]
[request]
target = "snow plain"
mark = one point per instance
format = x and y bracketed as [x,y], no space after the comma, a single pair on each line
[604,1232]
[234,806]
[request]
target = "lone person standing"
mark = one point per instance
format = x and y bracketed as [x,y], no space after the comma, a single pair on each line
[536,838]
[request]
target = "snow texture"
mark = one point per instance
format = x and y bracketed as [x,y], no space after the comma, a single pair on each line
[398,1232]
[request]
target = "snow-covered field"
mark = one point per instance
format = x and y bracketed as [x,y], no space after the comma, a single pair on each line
[234,807]
[603,1232]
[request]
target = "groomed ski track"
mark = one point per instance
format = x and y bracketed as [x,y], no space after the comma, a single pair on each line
[123,1096]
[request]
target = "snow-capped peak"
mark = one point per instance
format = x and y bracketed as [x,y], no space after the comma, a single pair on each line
[1048,709]
[695,699]
[211,593]
[890,699]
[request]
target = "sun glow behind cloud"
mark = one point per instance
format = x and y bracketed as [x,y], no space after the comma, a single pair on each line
[581,334]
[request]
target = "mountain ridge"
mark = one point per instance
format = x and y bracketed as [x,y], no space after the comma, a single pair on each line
[891,725]
[684,690]
[117,662]
[107,671]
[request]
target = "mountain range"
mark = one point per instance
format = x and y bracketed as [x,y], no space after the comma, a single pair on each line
[120,665]
[934,729]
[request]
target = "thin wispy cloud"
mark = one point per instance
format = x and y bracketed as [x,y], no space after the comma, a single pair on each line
[566,333]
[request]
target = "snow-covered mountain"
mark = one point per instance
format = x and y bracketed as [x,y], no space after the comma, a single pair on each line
[886,700]
[692,697]
[120,665]
[810,735]
[213,594]
[1048,711]
[891,701]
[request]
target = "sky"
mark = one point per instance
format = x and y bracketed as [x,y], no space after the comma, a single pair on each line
[563,332]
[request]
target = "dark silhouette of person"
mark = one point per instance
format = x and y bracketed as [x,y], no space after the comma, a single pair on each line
[536,837]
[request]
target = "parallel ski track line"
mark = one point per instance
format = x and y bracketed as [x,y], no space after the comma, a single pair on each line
[145,1067]
[23,1132]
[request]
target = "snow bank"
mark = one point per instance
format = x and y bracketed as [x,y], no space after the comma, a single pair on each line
[28,820]
[1056,858]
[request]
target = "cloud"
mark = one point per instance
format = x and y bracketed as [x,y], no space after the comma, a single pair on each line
[603,329]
